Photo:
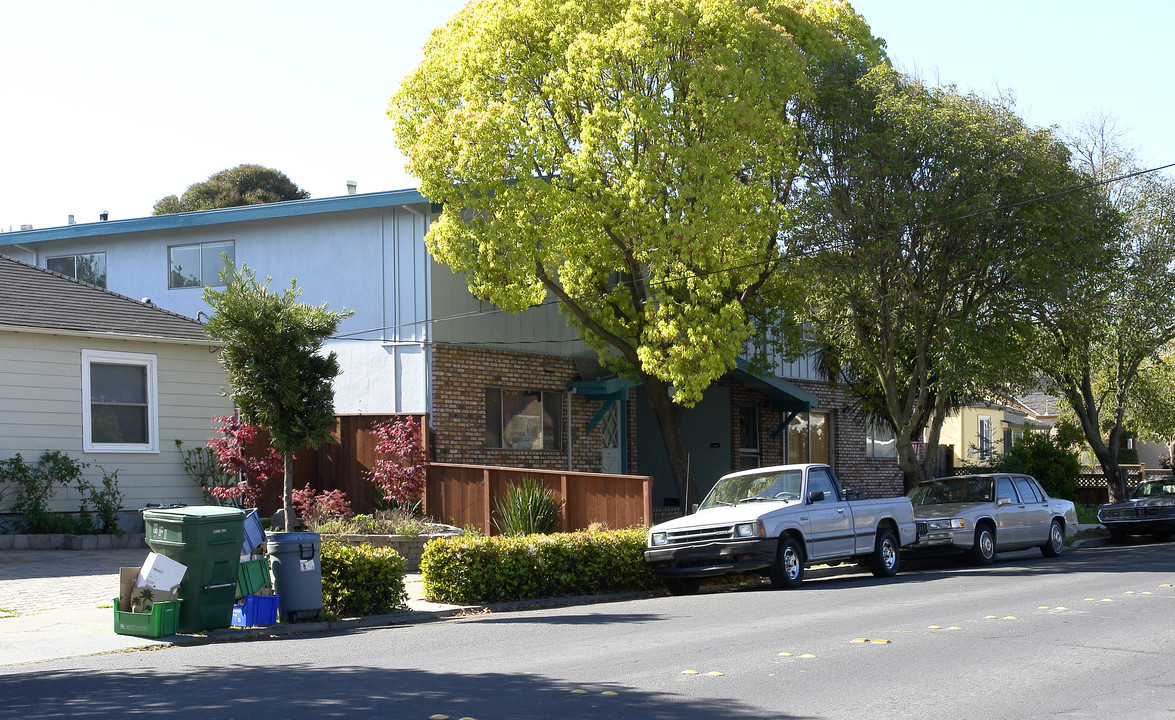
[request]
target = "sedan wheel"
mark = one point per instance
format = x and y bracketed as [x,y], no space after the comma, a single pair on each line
[983,551]
[1056,541]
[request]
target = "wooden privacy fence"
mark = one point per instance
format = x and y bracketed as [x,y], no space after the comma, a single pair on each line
[465,495]
[460,495]
[340,465]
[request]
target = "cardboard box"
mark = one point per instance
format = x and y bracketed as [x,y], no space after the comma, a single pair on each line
[128,587]
[160,572]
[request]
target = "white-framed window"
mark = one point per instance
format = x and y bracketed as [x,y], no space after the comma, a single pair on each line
[199,264]
[119,402]
[523,419]
[985,439]
[880,440]
[748,437]
[87,267]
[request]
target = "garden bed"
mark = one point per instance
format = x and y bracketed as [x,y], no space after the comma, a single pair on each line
[60,541]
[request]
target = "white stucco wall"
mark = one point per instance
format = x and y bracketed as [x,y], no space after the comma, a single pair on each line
[371,261]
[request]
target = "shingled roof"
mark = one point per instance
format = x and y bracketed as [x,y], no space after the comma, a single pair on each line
[40,299]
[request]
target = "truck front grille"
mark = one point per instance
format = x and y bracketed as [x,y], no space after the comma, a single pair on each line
[695,535]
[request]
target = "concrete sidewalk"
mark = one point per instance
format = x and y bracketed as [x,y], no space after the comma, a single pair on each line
[57,604]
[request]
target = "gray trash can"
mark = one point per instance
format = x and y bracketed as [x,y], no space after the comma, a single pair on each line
[297,574]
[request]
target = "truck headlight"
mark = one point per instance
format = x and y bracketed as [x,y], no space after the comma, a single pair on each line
[750,529]
[948,524]
[658,538]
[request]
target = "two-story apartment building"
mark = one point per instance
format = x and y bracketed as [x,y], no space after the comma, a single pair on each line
[511,389]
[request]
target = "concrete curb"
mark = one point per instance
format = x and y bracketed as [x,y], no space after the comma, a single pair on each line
[411,617]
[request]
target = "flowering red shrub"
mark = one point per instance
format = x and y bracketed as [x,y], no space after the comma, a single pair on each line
[232,454]
[326,506]
[401,468]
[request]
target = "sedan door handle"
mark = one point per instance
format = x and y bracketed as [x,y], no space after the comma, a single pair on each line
[841,511]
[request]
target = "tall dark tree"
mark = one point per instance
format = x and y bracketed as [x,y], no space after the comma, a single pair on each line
[242,185]
[933,219]
[1106,349]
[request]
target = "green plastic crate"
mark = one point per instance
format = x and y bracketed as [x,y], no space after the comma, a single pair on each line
[162,620]
[252,575]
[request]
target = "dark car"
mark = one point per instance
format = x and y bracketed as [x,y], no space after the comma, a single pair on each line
[1150,510]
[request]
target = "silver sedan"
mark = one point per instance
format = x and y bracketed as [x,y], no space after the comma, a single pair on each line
[986,514]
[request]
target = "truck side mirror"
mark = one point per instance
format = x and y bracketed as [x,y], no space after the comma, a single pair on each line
[815,496]
[693,508]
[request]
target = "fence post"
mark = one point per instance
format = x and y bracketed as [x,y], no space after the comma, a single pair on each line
[563,507]
[485,481]
[647,504]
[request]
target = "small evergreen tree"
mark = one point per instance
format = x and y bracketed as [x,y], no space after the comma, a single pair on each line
[278,376]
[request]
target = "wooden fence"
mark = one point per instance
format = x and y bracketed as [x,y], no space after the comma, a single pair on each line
[463,495]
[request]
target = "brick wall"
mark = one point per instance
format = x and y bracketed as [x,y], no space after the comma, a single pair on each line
[461,375]
[877,477]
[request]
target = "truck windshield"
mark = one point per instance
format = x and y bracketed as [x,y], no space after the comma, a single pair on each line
[785,485]
[952,490]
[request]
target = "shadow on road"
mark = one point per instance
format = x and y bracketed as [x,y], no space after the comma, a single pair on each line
[301,690]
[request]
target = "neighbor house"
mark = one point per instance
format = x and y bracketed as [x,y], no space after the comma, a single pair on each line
[110,381]
[507,389]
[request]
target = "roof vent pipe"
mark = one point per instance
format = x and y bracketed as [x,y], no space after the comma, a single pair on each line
[104,216]
[71,220]
[351,187]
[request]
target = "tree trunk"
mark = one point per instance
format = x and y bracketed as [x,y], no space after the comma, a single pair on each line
[288,491]
[669,416]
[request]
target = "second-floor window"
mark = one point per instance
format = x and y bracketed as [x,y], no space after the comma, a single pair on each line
[87,267]
[199,264]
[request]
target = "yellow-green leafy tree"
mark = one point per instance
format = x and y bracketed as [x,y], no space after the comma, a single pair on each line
[634,159]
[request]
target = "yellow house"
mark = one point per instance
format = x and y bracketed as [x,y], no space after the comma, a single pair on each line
[974,434]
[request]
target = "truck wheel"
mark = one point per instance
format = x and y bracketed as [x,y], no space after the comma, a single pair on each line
[788,570]
[983,551]
[683,586]
[886,559]
[1056,541]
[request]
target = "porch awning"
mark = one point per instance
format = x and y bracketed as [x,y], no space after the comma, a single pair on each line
[785,397]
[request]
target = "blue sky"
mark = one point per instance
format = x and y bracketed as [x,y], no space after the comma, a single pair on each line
[112,105]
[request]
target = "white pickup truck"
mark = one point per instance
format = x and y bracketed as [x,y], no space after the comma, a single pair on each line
[775,521]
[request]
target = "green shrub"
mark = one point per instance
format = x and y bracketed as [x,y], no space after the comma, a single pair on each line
[359,580]
[483,569]
[36,485]
[528,507]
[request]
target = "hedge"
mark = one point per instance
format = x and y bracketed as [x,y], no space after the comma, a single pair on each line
[360,580]
[480,569]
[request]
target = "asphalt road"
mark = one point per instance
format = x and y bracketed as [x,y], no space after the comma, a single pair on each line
[1086,635]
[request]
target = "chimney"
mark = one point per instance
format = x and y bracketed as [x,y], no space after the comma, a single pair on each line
[71,220]
[104,216]
[351,187]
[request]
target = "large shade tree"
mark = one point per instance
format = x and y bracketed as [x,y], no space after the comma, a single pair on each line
[932,219]
[634,159]
[1106,348]
[234,187]
[278,376]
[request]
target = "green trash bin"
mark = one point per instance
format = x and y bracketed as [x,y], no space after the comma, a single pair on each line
[207,539]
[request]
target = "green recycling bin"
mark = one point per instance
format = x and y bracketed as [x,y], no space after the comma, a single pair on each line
[207,539]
